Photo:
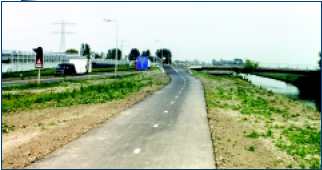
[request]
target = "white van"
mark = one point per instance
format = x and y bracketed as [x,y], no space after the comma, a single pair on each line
[80,65]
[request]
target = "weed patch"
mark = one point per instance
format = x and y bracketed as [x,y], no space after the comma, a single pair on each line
[253,135]
[251,148]
[6,128]
[87,93]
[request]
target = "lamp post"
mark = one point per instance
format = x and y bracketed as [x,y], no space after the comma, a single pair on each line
[122,46]
[116,43]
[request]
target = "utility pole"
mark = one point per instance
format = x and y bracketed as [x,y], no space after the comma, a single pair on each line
[116,42]
[63,32]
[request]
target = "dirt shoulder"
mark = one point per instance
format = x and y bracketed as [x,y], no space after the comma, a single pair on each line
[39,132]
[254,128]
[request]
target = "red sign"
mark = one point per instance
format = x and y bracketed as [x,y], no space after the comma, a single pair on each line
[39,57]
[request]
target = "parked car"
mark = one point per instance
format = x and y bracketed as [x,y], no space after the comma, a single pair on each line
[66,69]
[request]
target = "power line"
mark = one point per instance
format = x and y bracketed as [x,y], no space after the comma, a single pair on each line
[63,33]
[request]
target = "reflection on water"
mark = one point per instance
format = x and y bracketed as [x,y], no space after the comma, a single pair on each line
[276,86]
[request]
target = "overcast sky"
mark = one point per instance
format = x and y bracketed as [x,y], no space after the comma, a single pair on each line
[265,32]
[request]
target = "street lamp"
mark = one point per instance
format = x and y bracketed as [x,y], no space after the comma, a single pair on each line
[116,42]
[123,45]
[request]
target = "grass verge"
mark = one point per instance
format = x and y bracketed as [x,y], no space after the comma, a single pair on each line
[283,132]
[86,93]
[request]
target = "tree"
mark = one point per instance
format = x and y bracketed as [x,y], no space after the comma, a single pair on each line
[85,50]
[111,54]
[152,58]
[146,53]
[165,55]
[250,66]
[71,51]
[134,53]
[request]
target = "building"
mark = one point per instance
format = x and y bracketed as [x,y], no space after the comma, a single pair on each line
[14,60]
[234,62]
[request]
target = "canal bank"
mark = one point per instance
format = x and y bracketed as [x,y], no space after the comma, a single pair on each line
[279,87]
[253,127]
[309,84]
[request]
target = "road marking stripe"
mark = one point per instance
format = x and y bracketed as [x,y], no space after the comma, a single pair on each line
[156,125]
[165,111]
[172,102]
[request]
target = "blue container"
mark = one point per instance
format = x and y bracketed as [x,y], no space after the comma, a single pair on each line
[141,63]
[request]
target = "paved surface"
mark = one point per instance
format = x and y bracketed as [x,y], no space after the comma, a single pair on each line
[8,83]
[167,130]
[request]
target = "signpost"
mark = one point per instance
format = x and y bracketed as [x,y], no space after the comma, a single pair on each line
[39,60]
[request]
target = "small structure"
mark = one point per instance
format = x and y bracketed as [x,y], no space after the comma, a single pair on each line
[142,63]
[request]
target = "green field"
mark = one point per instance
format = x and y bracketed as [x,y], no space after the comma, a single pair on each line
[73,92]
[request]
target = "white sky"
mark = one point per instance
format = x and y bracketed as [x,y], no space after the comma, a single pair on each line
[265,32]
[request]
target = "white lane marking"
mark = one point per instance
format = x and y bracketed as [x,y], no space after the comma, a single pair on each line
[165,111]
[156,125]
[172,102]
[137,151]
[177,97]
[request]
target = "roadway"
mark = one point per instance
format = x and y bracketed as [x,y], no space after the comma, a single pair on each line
[168,129]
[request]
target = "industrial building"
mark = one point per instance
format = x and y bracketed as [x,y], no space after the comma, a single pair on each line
[16,60]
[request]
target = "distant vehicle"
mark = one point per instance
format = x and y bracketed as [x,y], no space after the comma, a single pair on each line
[66,69]
[80,65]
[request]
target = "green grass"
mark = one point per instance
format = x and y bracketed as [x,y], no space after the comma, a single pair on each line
[302,143]
[36,85]
[251,148]
[234,93]
[122,67]
[253,135]
[27,74]
[269,132]
[63,83]
[93,93]
[248,97]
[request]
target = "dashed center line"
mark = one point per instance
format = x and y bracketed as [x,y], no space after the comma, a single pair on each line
[165,111]
[177,97]
[137,151]
[156,125]
[172,102]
